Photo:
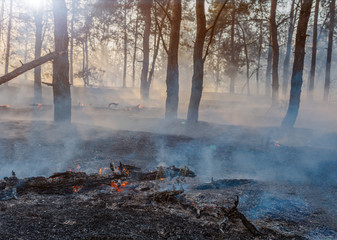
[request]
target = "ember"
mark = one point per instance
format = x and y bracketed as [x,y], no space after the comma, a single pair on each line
[77,188]
[118,185]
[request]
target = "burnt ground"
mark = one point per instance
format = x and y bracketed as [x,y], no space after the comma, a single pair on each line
[290,190]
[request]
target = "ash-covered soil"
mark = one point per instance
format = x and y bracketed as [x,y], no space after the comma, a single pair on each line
[292,195]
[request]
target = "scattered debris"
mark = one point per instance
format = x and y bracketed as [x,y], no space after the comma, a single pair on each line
[166,196]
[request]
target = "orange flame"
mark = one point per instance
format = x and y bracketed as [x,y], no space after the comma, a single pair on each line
[117,186]
[77,188]
[102,170]
[78,167]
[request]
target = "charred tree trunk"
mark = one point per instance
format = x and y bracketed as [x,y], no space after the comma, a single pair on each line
[329,53]
[313,53]
[156,46]
[259,53]
[268,71]
[9,30]
[61,87]
[144,88]
[198,63]
[246,57]
[274,42]
[72,35]
[172,76]
[125,48]
[287,57]
[38,48]
[26,54]
[1,15]
[233,63]
[135,53]
[83,65]
[297,75]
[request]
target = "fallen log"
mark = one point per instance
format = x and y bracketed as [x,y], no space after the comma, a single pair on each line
[233,214]
[28,66]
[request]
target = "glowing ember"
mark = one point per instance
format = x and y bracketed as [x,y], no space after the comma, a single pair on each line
[77,188]
[118,186]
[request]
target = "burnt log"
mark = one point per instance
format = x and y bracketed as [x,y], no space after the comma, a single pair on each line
[28,66]
[234,214]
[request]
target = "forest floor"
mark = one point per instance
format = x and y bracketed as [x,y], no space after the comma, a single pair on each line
[286,180]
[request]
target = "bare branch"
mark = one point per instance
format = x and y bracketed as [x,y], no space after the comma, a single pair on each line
[213,28]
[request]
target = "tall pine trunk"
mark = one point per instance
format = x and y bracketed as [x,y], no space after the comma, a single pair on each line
[72,35]
[9,31]
[288,51]
[233,69]
[2,15]
[198,63]
[313,53]
[329,53]
[297,75]
[61,87]
[38,48]
[259,53]
[135,52]
[274,43]
[268,70]
[172,75]
[125,48]
[144,89]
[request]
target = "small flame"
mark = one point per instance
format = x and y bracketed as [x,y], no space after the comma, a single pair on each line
[118,186]
[78,167]
[162,179]
[102,170]
[77,188]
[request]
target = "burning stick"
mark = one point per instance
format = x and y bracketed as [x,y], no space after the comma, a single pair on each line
[233,214]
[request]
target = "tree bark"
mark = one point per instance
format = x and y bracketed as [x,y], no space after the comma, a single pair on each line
[259,53]
[297,75]
[61,87]
[268,70]
[172,76]
[9,30]
[2,15]
[274,42]
[144,89]
[246,57]
[198,63]
[329,53]
[72,35]
[135,53]
[287,57]
[313,53]
[233,69]
[38,48]
[28,66]
[125,48]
